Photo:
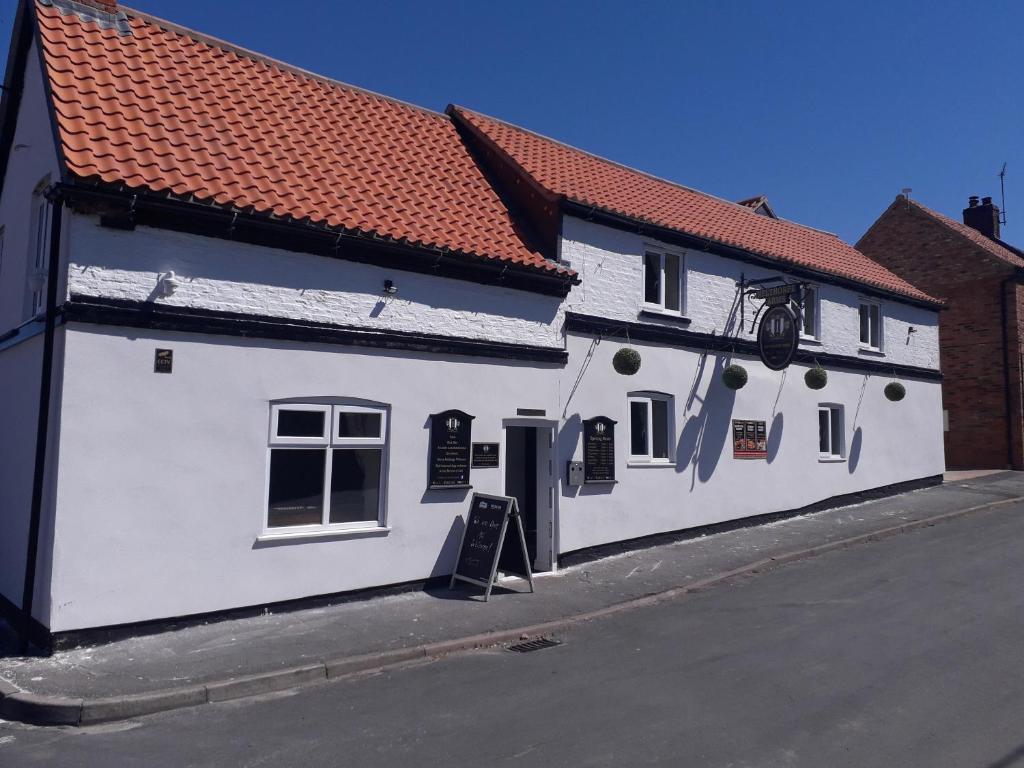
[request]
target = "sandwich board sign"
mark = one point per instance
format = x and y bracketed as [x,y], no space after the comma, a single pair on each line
[493,538]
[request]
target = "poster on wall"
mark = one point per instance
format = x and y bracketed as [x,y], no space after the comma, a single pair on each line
[450,435]
[749,439]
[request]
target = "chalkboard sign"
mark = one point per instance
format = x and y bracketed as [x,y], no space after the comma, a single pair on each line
[485,455]
[450,434]
[493,539]
[599,450]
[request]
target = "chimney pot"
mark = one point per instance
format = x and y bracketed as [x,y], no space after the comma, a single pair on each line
[972,201]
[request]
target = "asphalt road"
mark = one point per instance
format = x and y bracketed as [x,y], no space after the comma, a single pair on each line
[904,652]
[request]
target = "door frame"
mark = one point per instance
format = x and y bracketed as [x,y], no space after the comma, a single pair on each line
[547,497]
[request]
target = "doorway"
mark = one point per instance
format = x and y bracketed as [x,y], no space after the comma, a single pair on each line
[528,479]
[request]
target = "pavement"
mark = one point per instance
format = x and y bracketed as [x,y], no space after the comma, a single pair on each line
[904,651]
[254,656]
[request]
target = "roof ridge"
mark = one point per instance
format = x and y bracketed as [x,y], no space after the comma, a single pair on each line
[631,169]
[216,42]
[957,227]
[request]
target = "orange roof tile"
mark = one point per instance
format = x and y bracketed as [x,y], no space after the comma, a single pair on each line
[594,181]
[148,105]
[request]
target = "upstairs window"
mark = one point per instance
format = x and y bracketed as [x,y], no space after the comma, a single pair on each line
[871,325]
[811,328]
[327,467]
[39,241]
[650,428]
[664,281]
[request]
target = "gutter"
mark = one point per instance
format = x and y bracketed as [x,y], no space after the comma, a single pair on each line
[43,422]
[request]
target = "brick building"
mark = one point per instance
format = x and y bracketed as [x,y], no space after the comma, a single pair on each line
[982,279]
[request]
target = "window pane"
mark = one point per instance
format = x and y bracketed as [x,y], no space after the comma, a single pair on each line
[355,424]
[355,485]
[672,281]
[300,423]
[810,311]
[865,333]
[837,432]
[638,428]
[296,487]
[875,324]
[659,429]
[652,278]
[823,438]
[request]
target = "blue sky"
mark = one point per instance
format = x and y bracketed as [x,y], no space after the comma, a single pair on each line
[828,108]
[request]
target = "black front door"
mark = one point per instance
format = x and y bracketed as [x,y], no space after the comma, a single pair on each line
[521,479]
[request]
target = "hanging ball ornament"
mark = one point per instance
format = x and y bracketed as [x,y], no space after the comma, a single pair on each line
[734,376]
[626,361]
[895,391]
[816,378]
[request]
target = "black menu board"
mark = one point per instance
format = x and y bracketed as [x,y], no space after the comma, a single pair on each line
[599,450]
[450,434]
[492,540]
[486,455]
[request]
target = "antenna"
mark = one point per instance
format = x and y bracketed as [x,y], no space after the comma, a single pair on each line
[1002,195]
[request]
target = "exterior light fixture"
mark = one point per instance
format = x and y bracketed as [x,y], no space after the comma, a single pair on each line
[167,284]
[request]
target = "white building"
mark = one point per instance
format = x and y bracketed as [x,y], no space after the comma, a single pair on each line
[243,290]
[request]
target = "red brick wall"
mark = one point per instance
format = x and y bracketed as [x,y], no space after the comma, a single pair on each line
[944,264]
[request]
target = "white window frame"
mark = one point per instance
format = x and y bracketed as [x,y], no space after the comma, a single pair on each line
[648,399]
[329,443]
[660,305]
[866,345]
[830,409]
[816,308]
[39,241]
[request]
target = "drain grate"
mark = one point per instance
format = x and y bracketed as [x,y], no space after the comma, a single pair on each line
[534,645]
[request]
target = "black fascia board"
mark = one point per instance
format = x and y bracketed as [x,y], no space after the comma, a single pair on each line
[125,313]
[127,208]
[676,237]
[708,342]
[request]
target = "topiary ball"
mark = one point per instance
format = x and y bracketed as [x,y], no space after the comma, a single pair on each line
[816,378]
[626,361]
[895,391]
[734,376]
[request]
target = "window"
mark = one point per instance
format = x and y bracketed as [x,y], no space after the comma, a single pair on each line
[326,466]
[871,325]
[650,428]
[663,281]
[830,432]
[811,327]
[40,248]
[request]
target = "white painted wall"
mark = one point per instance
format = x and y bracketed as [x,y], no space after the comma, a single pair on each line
[238,277]
[886,442]
[610,263]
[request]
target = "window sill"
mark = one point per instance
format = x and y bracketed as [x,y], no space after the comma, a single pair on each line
[871,351]
[335,533]
[662,314]
[671,464]
[831,459]
[810,340]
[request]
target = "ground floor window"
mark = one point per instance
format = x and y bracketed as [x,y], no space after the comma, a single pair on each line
[830,432]
[326,466]
[650,427]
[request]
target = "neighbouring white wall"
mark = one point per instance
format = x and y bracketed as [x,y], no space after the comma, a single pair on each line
[32,158]
[610,263]
[162,477]
[886,442]
[238,277]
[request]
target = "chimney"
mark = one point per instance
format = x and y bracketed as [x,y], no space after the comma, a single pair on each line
[982,216]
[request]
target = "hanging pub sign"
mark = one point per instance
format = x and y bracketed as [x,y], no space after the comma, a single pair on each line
[599,450]
[777,337]
[493,538]
[450,434]
[749,439]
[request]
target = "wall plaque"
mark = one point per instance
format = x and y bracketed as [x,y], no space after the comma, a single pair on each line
[164,361]
[599,450]
[485,455]
[777,337]
[450,434]
[749,439]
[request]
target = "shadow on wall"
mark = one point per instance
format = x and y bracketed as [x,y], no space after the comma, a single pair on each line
[855,447]
[568,437]
[775,436]
[445,562]
[705,433]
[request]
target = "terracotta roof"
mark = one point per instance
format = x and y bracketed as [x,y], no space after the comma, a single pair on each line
[142,103]
[1000,250]
[589,180]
